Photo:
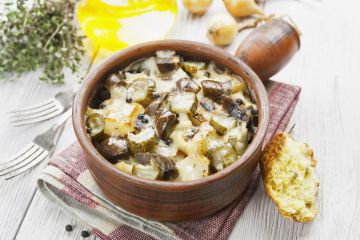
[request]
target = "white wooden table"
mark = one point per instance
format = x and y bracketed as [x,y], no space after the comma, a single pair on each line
[327,117]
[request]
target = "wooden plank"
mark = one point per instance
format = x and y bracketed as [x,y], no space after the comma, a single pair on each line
[16,194]
[325,118]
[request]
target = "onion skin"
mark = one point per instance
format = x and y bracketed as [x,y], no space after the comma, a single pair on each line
[267,49]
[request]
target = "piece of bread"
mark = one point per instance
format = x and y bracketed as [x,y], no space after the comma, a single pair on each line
[289,177]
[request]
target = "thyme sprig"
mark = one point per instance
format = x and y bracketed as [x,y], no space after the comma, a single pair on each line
[43,35]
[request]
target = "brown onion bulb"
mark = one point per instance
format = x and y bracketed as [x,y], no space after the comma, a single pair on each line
[268,48]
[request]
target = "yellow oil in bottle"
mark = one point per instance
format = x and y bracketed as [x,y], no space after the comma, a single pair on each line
[116,24]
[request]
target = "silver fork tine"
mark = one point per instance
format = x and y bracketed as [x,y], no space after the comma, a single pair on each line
[34,115]
[25,162]
[32,107]
[27,167]
[33,111]
[43,111]
[38,150]
[38,119]
[19,154]
[19,159]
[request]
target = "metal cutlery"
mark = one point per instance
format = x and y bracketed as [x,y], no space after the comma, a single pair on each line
[50,108]
[35,152]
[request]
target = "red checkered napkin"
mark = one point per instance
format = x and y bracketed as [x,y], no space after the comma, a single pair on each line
[67,182]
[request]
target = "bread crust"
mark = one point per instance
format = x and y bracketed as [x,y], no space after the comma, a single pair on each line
[271,154]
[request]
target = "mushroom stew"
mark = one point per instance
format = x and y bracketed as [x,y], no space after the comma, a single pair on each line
[172,118]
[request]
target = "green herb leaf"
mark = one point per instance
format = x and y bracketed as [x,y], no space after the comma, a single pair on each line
[43,36]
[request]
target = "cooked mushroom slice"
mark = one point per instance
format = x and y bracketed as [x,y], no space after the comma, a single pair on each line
[187,85]
[215,90]
[140,91]
[207,104]
[113,148]
[101,94]
[155,105]
[222,156]
[192,68]
[113,79]
[166,165]
[150,171]
[193,167]
[234,110]
[165,122]
[197,119]
[183,102]
[125,166]
[167,61]
[95,124]
[222,123]
[143,141]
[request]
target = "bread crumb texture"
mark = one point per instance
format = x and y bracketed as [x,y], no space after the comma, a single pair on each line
[289,177]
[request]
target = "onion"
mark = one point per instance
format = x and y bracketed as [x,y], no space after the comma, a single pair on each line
[222,29]
[197,6]
[242,8]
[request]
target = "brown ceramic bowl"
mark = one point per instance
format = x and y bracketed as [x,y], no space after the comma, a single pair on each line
[162,200]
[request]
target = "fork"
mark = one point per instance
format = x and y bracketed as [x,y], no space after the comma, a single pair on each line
[40,147]
[42,111]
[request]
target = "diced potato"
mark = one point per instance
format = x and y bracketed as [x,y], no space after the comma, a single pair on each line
[166,150]
[125,167]
[122,119]
[115,128]
[143,141]
[222,123]
[237,137]
[198,144]
[150,171]
[183,102]
[184,122]
[193,167]
[222,156]
[118,92]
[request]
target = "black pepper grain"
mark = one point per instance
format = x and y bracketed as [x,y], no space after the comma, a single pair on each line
[141,116]
[128,100]
[144,120]
[68,228]
[156,95]
[85,234]
[168,141]
[88,130]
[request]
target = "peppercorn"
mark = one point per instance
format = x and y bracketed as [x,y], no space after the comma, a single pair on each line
[128,100]
[141,116]
[88,130]
[156,95]
[85,234]
[168,141]
[68,228]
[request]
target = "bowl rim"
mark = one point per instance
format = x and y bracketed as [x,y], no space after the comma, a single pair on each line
[199,49]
